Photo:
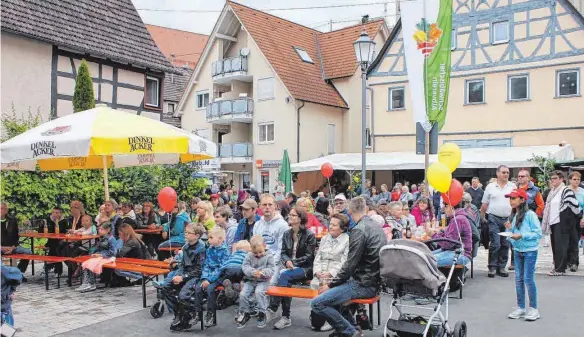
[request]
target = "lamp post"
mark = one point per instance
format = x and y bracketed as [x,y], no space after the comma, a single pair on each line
[364,48]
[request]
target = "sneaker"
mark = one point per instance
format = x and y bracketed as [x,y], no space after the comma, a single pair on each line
[82,287]
[254,313]
[196,318]
[239,316]
[229,290]
[532,314]
[517,313]
[209,319]
[491,273]
[573,268]
[270,315]
[262,320]
[175,323]
[326,327]
[502,273]
[91,287]
[245,318]
[283,323]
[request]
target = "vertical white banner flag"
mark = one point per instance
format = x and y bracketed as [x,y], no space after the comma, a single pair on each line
[427,33]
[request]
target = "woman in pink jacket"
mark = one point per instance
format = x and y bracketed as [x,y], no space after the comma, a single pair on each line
[422,211]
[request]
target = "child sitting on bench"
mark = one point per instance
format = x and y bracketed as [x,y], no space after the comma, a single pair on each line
[187,275]
[258,268]
[231,272]
[101,253]
[217,254]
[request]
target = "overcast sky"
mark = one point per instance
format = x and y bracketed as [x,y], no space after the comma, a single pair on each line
[203,23]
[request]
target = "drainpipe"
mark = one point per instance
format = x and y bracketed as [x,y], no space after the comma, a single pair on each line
[371,110]
[298,131]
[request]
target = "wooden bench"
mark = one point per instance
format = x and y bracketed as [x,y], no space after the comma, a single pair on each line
[170,249]
[148,273]
[46,259]
[309,293]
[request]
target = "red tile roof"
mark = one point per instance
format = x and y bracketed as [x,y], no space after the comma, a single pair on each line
[186,46]
[277,38]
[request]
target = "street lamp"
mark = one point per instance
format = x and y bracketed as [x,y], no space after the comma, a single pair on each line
[364,48]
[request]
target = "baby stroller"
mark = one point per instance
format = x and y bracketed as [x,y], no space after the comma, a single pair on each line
[409,268]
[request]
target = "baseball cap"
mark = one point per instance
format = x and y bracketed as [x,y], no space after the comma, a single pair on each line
[517,193]
[250,203]
[340,196]
[214,196]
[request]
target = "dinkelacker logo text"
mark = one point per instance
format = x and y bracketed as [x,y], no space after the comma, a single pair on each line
[43,148]
[140,143]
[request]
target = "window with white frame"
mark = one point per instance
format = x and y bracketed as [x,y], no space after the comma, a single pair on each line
[202,99]
[152,98]
[266,132]
[367,137]
[396,99]
[265,88]
[500,32]
[303,55]
[171,107]
[475,91]
[332,130]
[518,87]
[453,40]
[568,83]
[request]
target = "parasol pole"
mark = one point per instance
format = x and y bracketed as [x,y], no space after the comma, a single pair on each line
[105,180]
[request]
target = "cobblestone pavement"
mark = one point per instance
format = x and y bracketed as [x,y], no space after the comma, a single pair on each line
[40,313]
[544,261]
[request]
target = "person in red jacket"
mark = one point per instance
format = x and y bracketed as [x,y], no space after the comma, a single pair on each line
[312,224]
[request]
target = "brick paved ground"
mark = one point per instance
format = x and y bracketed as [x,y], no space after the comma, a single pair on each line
[544,261]
[40,313]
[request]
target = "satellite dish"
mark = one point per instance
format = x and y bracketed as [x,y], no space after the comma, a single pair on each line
[244,52]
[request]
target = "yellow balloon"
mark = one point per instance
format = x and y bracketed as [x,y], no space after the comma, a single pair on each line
[440,177]
[449,154]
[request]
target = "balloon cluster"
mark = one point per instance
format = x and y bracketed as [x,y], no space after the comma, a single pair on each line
[440,174]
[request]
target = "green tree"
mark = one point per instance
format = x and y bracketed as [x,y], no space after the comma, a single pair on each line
[83,98]
[32,194]
[545,167]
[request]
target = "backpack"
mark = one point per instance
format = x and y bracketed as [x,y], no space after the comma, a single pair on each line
[472,219]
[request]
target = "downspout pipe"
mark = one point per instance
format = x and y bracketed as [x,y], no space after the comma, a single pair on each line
[372,112]
[298,108]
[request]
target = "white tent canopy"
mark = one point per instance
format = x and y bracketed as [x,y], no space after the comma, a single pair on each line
[471,158]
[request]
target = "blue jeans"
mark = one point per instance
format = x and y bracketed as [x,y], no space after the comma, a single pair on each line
[524,277]
[326,304]
[286,279]
[22,264]
[129,274]
[211,296]
[444,258]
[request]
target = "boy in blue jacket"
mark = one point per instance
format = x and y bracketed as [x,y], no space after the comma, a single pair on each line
[217,254]
[231,270]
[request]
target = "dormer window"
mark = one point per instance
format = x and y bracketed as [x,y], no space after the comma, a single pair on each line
[303,55]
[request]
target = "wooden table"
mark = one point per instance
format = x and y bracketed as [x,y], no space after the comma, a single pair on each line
[149,230]
[55,236]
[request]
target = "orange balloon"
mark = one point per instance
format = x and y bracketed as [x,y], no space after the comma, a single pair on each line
[327,170]
[167,198]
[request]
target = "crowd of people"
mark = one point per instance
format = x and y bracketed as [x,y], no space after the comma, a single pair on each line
[246,242]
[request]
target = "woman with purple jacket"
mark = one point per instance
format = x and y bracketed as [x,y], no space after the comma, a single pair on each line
[459,230]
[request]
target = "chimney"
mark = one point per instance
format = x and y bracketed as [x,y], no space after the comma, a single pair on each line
[365,19]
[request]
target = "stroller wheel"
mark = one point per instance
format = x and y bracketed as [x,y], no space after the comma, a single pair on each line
[460,329]
[157,310]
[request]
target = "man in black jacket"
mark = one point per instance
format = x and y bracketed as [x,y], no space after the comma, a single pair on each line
[476,192]
[10,238]
[359,276]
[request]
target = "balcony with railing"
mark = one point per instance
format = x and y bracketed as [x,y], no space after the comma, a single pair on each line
[234,68]
[227,111]
[236,153]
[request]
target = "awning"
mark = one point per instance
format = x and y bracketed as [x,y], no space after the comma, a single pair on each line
[471,158]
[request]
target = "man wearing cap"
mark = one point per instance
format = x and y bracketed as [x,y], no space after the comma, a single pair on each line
[244,229]
[215,201]
[495,211]
[340,206]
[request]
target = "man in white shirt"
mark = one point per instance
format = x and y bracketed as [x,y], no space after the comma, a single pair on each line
[495,211]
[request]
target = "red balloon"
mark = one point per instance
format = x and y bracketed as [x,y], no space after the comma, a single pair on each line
[327,170]
[167,198]
[454,194]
